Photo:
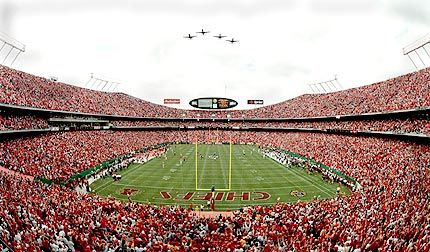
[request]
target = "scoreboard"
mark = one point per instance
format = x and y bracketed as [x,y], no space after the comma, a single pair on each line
[213,103]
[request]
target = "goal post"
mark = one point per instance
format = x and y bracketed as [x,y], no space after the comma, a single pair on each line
[229,169]
[197,175]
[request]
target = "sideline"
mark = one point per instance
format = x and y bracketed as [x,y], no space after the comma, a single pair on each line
[15,173]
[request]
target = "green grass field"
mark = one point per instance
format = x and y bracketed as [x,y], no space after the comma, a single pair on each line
[254,179]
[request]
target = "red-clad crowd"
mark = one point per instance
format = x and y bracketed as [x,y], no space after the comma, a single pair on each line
[420,125]
[404,92]
[391,213]
[409,125]
[60,155]
[20,122]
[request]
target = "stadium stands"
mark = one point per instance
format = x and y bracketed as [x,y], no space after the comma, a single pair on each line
[17,122]
[390,214]
[58,156]
[408,125]
[409,91]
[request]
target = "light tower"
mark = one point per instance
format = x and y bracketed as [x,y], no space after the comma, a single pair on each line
[10,49]
[327,86]
[417,52]
[101,84]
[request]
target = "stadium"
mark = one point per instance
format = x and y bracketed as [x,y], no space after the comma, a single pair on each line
[90,168]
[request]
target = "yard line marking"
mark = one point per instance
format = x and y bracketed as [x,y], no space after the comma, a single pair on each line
[324,190]
[191,189]
[278,180]
[222,170]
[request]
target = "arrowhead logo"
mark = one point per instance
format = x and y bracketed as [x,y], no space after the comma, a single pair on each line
[128,191]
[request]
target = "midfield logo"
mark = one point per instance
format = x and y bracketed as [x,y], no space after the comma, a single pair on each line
[128,191]
[219,196]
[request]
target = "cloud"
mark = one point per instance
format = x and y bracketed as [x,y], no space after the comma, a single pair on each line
[187,7]
[287,70]
[343,7]
[284,45]
[6,14]
[412,10]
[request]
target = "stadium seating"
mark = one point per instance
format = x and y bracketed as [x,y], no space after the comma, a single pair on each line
[60,155]
[390,214]
[20,122]
[408,125]
[409,91]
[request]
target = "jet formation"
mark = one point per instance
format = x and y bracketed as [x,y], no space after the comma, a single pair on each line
[219,36]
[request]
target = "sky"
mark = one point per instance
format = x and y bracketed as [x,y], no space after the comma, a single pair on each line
[284,45]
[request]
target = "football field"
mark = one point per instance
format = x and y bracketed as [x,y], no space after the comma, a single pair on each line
[239,173]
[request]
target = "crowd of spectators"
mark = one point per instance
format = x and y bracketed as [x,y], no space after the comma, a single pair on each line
[391,213]
[404,92]
[140,157]
[21,122]
[57,156]
[419,125]
[62,154]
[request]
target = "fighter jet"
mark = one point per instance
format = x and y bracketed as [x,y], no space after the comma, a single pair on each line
[220,36]
[232,41]
[203,32]
[189,36]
